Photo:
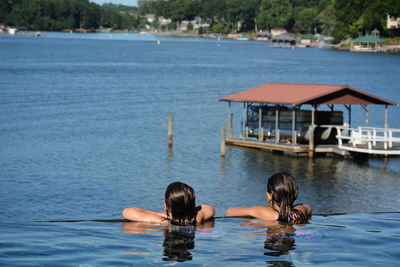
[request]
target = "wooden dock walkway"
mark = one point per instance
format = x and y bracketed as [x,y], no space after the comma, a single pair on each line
[286,147]
[344,150]
[267,145]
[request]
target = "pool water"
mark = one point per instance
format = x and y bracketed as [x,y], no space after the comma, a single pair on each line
[365,239]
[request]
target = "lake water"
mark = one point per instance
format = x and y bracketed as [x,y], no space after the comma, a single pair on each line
[83,134]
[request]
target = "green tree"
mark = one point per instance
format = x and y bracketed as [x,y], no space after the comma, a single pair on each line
[90,16]
[25,14]
[274,14]
[172,26]
[306,20]
[347,15]
[147,7]
[183,9]
[220,28]
[215,10]
[327,20]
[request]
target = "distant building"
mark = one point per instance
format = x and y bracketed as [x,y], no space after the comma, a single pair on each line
[367,43]
[284,40]
[150,18]
[376,33]
[197,22]
[392,22]
[12,31]
[183,25]
[164,21]
[276,32]
[263,36]
[315,40]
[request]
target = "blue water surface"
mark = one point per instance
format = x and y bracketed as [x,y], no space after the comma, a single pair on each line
[83,134]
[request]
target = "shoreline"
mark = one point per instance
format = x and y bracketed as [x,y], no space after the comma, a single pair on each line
[393,47]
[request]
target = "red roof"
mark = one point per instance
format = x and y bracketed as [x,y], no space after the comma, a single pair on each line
[296,94]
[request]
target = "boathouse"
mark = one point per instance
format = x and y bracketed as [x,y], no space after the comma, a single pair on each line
[368,43]
[286,40]
[275,118]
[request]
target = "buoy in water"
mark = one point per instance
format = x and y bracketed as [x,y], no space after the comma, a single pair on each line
[158,42]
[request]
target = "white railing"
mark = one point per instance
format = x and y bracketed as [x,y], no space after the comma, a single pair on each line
[369,140]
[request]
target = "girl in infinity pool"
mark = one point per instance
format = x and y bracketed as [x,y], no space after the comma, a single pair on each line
[179,208]
[281,194]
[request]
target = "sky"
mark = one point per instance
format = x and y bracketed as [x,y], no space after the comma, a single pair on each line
[122,2]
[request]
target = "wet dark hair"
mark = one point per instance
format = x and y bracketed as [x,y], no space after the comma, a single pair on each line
[180,204]
[282,188]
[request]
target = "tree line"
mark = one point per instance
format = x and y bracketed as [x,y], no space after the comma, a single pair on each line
[57,15]
[338,18]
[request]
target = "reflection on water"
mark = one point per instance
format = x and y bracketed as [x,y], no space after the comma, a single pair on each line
[178,240]
[177,243]
[280,239]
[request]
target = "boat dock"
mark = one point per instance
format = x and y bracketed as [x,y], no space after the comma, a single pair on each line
[274,119]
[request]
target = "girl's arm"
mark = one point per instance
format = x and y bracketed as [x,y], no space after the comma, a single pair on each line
[206,212]
[260,212]
[142,215]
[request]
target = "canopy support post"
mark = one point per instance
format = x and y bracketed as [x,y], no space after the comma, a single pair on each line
[260,124]
[312,128]
[244,120]
[386,116]
[294,133]
[230,121]
[277,134]
[366,108]
[349,109]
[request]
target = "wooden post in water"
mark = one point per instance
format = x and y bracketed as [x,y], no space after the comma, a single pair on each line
[223,141]
[230,125]
[170,127]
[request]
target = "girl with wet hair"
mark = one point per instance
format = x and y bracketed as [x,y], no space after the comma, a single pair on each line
[281,195]
[179,208]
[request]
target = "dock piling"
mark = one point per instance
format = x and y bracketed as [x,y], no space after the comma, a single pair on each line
[223,141]
[311,146]
[170,128]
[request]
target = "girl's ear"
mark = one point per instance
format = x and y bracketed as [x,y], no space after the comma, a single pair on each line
[269,199]
[165,209]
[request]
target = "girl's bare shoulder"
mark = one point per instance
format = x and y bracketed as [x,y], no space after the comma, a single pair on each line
[265,213]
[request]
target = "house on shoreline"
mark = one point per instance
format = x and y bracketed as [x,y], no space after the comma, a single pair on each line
[392,22]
